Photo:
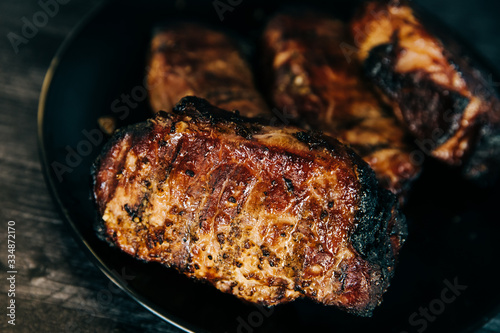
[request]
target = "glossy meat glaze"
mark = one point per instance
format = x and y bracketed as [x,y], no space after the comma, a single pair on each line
[318,82]
[188,59]
[268,214]
[441,97]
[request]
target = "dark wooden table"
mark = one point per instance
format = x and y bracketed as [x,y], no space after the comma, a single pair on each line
[57,288]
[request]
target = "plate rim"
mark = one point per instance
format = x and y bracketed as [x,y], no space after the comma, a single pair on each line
[42,154]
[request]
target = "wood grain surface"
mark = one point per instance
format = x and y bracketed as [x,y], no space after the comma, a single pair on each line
[58,289]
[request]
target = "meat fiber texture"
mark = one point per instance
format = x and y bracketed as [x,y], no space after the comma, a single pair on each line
[441,96]
[316,84]
[268,214]
[189,59]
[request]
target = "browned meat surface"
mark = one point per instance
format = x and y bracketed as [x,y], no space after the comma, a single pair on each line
[314,82]
[189,59]
[447,105]
[268,214]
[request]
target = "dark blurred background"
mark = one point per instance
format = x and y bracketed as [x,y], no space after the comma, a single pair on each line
[477,21]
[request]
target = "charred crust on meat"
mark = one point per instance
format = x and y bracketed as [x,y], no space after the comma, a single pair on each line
[228,242]
[371,238]
[202,111]
[482,163]
[141,130]
[163,114]
[420,98]
[457,116]
[289,184]
[313,139]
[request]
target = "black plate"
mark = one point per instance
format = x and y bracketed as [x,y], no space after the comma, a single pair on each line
[453,225]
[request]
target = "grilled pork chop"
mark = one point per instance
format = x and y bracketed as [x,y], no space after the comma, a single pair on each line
[447,104]
[190,59]
[268,214]
[314,81]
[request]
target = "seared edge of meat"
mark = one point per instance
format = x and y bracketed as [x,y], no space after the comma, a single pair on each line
[314,83]
[190,59]
[268,214]
[445,102]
